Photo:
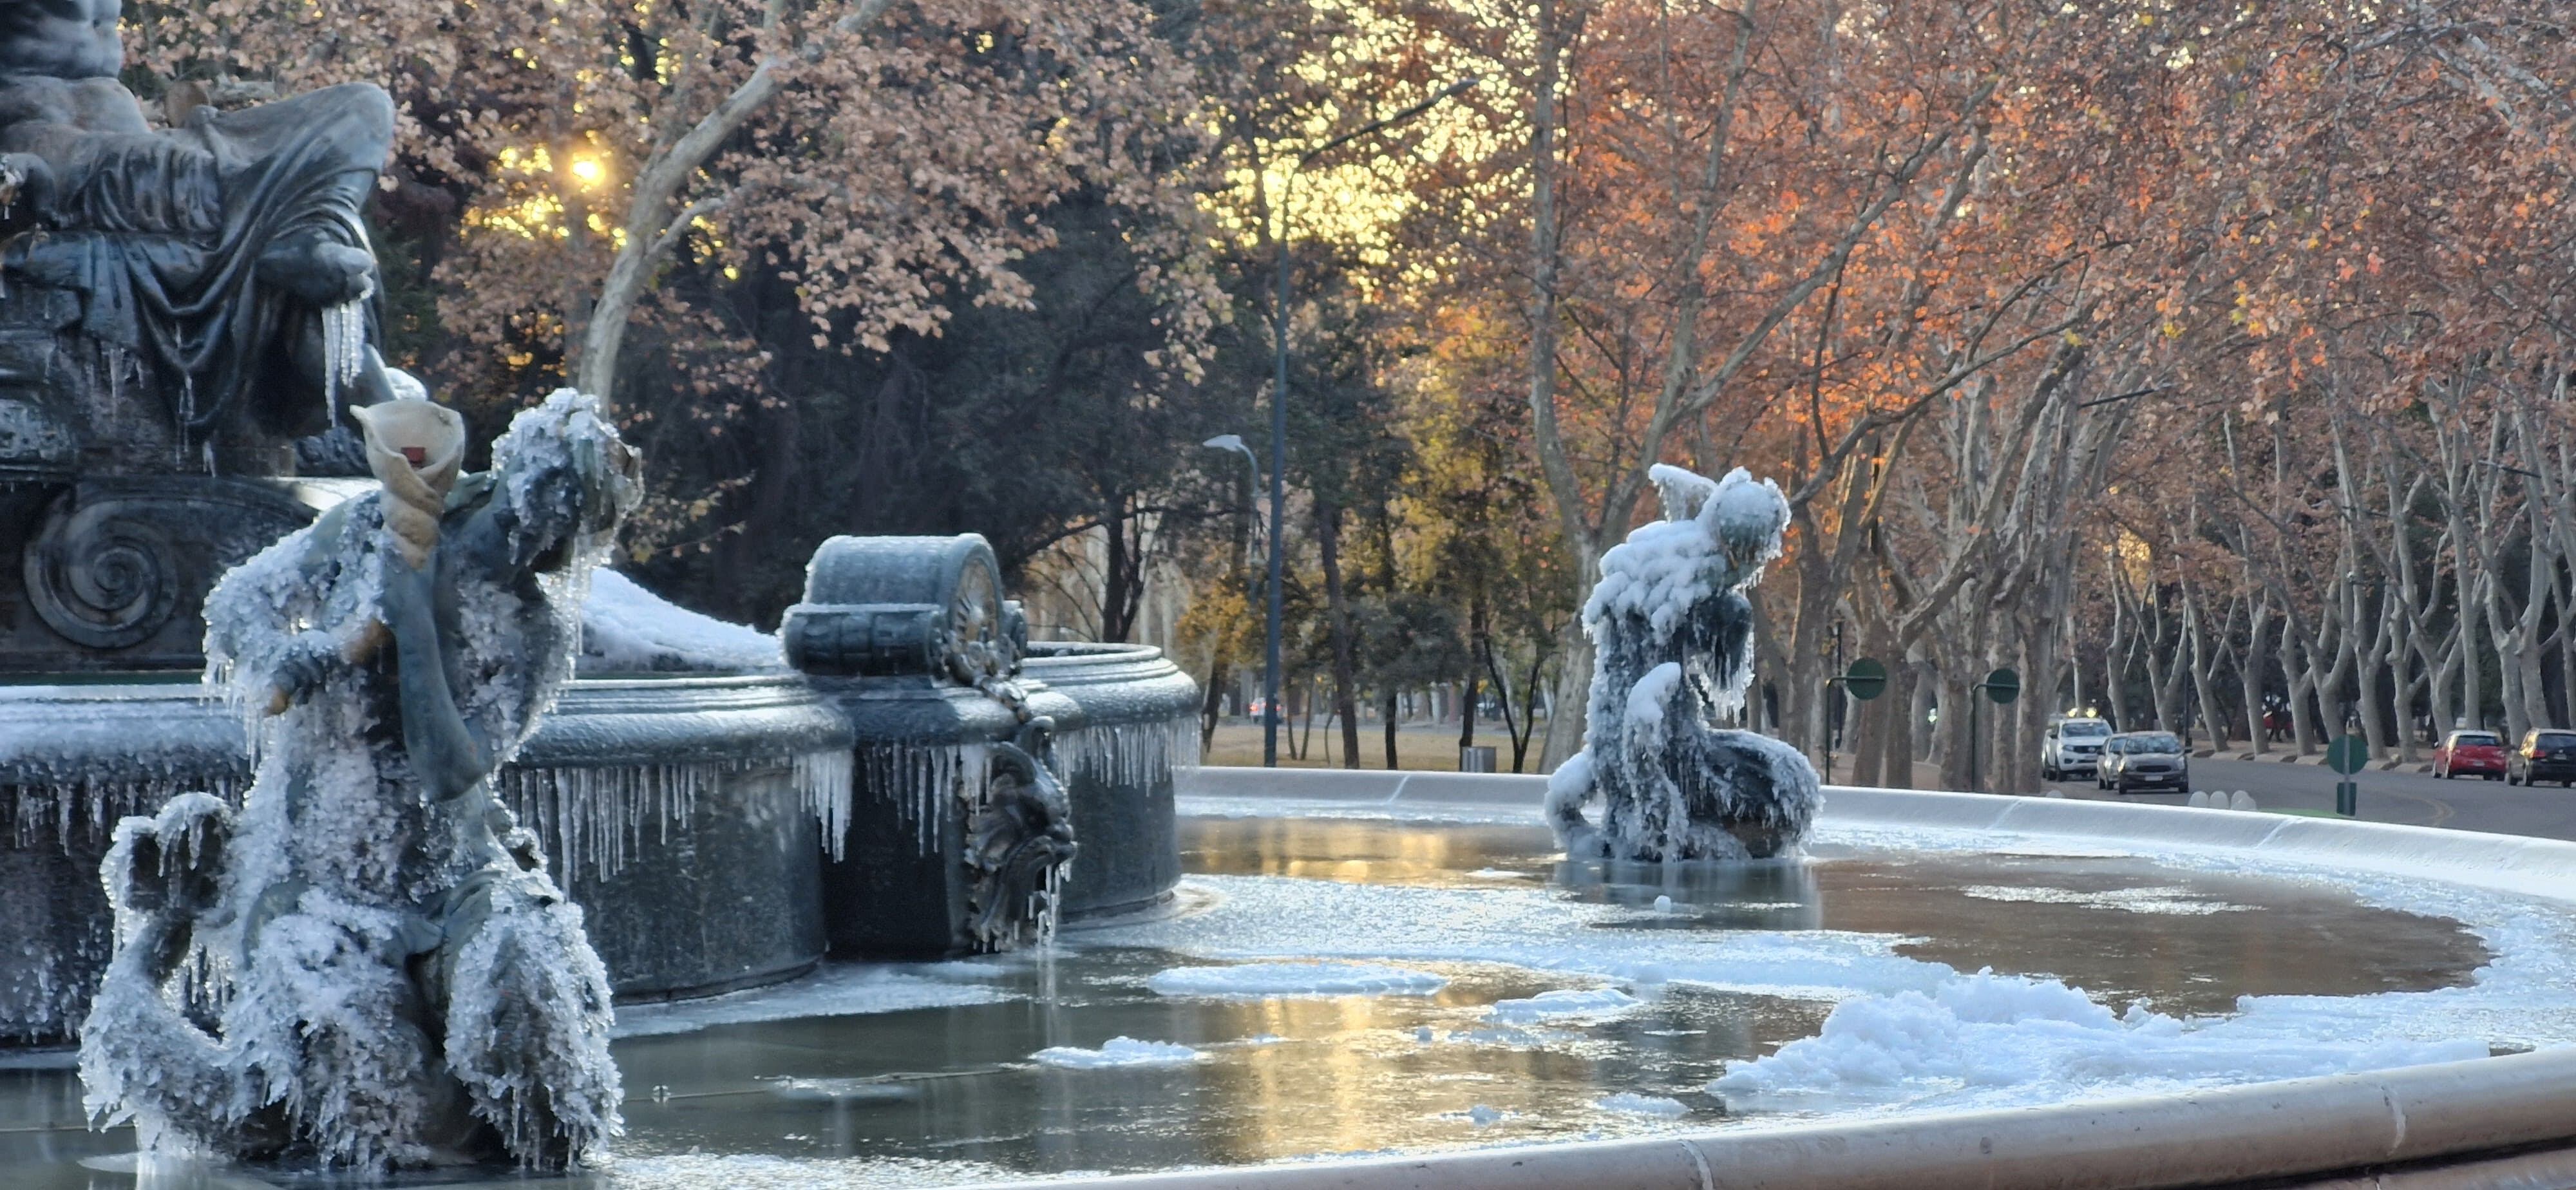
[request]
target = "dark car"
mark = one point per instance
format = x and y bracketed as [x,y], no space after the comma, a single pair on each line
[2143,760]
[2477,753]
[2545,755]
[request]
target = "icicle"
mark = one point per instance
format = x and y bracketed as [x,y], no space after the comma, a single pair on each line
[344,345]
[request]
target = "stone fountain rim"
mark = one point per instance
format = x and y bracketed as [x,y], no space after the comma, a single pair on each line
[2476,1122]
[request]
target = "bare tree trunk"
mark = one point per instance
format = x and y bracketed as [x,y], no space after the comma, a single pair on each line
[2249,671]
[1390,708]
[1328,543]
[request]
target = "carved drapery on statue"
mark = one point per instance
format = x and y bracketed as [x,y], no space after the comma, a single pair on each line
[162,237]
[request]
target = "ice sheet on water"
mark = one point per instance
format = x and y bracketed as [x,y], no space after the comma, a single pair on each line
[1276,918]
[851,989]
[1265,980]
[1631,1103]
[627,629]
[2163,899]
[1118,1051]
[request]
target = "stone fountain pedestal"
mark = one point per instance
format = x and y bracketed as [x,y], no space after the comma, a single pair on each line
[691,811]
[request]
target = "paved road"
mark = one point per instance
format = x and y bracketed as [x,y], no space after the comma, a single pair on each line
[2402,797]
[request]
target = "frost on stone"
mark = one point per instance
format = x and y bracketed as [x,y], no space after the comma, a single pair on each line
[1672,639]
[367,965]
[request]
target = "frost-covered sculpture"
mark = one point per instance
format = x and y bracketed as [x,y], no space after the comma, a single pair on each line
[1672,637]
[390,976]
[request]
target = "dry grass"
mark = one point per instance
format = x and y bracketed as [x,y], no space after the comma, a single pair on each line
[1420,748]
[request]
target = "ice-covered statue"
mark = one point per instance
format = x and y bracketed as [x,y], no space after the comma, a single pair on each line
[1672,637]
[368,965]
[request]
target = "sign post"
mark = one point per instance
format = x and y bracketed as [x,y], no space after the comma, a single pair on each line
[2000,687]
[1867,679]
[2348,756]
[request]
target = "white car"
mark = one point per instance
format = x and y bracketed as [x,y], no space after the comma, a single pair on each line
[2072,747]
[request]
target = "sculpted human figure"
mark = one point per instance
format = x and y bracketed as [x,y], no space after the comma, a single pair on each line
[1672,637]
[401,982]
[225,257]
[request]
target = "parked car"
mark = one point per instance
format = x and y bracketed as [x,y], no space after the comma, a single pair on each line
[2477,753]
[2545,755]
[2143,760]
[2071,746]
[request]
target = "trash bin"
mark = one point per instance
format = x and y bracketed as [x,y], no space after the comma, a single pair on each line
[1477,758]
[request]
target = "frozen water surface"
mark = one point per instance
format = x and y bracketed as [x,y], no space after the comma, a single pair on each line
[1846,982]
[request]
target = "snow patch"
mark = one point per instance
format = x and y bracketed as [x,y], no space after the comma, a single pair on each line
[1990,1038]
[627,629]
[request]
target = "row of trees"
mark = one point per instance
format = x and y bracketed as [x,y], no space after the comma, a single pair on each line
[2142,347]
[2197,359]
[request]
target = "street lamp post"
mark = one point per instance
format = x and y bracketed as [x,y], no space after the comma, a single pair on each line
[1234,442]
[1279,402]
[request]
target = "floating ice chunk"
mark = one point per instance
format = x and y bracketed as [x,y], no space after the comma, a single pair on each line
[1260,980]
[1499,874]
[1991,1038]
[1483,1116]
[1588,1002]
[1118,1051]
[1663,904]
[1631,1103]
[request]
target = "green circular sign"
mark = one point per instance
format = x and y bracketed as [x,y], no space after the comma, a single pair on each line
[2002,686]
[1867,679]
[2348,755]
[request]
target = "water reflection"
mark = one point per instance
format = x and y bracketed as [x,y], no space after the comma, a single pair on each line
[949,1094]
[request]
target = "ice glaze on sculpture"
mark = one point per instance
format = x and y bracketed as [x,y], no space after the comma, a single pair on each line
[392,977]
[1672,636]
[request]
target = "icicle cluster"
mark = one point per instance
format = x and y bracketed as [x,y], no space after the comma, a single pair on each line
[598,813]
[1129,755]
[914,777]
[1672,640]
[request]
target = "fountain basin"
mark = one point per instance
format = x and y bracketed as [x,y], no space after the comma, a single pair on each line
[1134,731]
[680,810]
[1363,964]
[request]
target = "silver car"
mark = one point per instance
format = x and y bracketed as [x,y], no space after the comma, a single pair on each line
[2136,760]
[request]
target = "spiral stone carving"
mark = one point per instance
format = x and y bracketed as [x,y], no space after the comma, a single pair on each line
[100,576]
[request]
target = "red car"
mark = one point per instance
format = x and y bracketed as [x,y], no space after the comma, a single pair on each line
[2476,752]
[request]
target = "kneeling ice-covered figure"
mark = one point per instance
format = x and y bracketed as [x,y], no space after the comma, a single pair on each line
[390,976]
[1672,637]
